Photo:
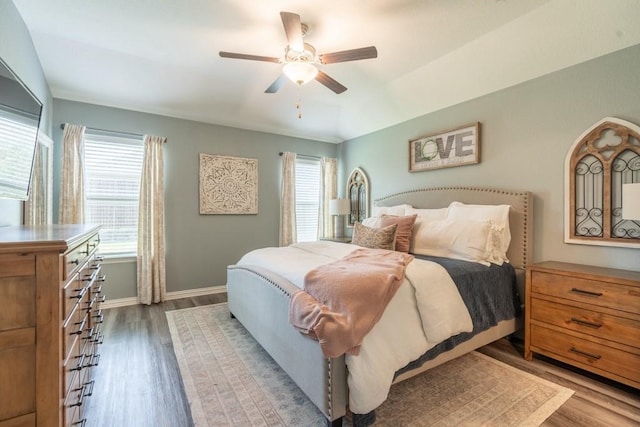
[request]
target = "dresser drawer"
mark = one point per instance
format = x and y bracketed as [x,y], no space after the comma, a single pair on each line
[618,329]
[601,294]
[74,329]
[94,242]
[75,401]
[586,354]
[75,259]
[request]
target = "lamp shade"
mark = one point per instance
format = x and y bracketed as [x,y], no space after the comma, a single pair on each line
[631,201]
[338,206]
[300,72]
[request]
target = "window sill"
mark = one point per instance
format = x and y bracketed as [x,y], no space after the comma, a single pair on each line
[118,259]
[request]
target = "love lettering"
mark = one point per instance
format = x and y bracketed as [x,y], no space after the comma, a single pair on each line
[462,142]
[445,149]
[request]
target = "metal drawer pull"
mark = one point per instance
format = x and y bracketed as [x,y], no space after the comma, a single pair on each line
[80,366]
[81,293]
[81,423]
[89,335]
[586,323]
[590,293]
[99,316]
[83,393]
[95,359]
[75,261]
[99,258]
[80,328]
[584,353]
[99,339]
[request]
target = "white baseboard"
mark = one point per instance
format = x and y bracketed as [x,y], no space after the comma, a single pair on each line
[189,293]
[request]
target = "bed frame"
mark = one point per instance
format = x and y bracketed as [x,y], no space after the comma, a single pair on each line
[259,299]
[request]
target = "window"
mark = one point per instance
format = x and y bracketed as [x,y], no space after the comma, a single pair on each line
[113,165]
[307,199]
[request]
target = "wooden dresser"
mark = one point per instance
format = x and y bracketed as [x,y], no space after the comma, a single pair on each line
[585,316]
[50,296]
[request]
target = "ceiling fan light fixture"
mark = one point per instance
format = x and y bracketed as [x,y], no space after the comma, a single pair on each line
[300,72]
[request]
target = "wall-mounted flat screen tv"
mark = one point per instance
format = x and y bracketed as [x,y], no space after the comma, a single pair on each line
[20,113]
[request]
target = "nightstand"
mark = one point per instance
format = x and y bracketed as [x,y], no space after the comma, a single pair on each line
[345,239]
[588,317]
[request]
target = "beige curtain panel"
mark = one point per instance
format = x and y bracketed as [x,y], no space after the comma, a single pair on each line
[288,200]
[71,209]
[151,279]
[328,191]
[35,209]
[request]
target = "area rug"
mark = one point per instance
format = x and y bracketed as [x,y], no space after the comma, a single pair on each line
[231,381]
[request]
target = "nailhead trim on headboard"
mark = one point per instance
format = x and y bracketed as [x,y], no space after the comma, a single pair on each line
[522,202]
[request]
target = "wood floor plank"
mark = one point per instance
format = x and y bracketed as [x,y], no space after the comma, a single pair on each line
[138,381]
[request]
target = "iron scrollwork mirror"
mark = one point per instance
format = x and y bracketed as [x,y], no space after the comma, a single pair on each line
[604,158]
[358,193]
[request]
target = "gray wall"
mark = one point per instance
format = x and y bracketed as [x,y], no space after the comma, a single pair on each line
[17,51]
[198,247]
[526,133]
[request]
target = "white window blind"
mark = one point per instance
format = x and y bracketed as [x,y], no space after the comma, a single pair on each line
[307,199]
[18,131]
[113,166]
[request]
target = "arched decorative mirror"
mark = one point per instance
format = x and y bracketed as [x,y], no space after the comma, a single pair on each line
[358,194]
[603,160]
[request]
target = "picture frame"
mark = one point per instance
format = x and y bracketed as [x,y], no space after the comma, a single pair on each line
[228,185]
[455,147]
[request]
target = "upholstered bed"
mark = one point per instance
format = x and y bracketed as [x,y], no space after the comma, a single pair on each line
[260,299]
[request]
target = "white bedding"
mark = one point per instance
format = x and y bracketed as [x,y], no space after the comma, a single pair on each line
[426,310]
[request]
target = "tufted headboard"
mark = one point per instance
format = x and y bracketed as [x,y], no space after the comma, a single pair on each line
[520,214]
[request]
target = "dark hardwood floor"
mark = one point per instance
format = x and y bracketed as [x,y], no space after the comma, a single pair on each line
[138,382]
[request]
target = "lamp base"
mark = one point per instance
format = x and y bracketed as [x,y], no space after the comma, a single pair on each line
[338,228]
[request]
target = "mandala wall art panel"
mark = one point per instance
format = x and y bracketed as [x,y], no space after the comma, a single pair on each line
[228,185]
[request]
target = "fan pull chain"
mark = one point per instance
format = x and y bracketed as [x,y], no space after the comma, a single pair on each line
[299,104]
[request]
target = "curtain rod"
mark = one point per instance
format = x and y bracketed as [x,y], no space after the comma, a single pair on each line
[302,155]
[110,131]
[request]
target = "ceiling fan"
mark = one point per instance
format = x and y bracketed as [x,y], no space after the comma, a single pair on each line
[300,58]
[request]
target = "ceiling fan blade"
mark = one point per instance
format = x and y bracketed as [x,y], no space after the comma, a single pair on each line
[249,57]
[277,84]
[293,29]
[330,82]
[349,55]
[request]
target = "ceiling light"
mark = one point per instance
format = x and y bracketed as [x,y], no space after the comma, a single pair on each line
[300,72]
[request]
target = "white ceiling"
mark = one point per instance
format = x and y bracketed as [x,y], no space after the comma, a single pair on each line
[161,56]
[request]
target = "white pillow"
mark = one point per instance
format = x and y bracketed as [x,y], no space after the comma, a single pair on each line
[373,222]
[498,215]
[427,214]
[398,210]
[424,217]
[467,240]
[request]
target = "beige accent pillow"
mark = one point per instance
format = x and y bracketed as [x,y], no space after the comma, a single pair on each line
[374,238]
[403,233]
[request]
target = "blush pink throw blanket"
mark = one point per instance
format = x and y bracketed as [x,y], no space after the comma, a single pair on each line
[343,300]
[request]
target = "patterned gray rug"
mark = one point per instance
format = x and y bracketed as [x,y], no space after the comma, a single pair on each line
[230,381]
